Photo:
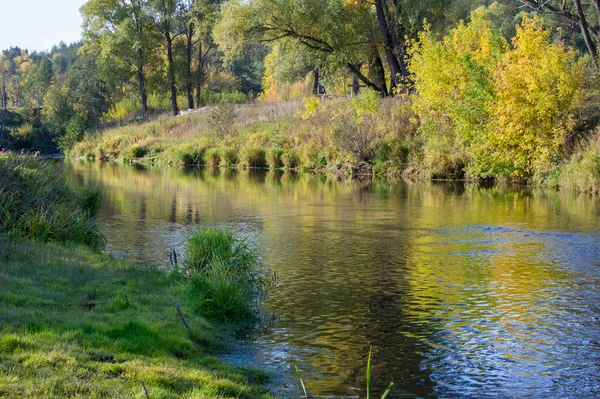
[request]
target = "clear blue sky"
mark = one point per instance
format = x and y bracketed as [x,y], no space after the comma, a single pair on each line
[39,24]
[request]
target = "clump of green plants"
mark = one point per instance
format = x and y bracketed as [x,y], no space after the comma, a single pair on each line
[37,203]
[229,157]
[290,159]
[582,172]
[225,275]
[252,157]
[222,118]
[273,157]
[212,157]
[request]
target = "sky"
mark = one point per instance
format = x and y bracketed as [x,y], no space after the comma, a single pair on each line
[39,24]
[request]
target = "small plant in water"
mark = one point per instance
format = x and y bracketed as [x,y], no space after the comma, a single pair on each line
[225,274]
[383,396]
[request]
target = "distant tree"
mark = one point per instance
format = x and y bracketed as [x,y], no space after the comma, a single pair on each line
[37,83]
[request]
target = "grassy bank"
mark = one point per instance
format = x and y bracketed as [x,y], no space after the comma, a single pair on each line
[77,323]
[333,135]
[80,324]
[361,136]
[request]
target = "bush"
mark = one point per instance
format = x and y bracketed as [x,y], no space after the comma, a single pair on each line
[253,158]
[289,159]
[212,157]
[187,154]
[37,203]
[225,274]
[229,157]
[74,131]
[491,110]
[222,118]
[538,93]
[582,172]
[273,158]
[23,137]
[137,151]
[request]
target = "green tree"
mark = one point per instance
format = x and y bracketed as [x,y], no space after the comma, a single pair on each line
[37,83]
[121,32]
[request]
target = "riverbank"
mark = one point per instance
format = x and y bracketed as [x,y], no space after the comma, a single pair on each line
[364,136]
[78,323]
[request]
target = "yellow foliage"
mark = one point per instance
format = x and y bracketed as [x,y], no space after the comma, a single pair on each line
[538,86]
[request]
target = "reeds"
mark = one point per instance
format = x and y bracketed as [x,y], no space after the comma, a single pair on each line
[224,273]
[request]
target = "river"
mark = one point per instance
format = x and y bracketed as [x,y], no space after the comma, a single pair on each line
[461,290]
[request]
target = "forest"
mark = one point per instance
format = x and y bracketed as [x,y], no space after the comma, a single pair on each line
[445,89]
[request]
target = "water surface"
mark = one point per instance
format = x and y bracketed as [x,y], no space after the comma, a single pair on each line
[461,290]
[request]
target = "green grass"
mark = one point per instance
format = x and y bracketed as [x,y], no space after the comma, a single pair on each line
[74,323]
[225,275]
[36,202]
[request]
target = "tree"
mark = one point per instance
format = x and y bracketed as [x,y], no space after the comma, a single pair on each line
[121,32]
[4,76]
[37,83]
[165,19]
[577,12]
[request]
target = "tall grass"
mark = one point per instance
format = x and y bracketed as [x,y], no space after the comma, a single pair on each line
[225,275]
[37,203]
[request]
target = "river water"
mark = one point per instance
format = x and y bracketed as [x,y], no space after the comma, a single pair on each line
[461,290]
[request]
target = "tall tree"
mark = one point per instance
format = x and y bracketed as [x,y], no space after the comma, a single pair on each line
[122,32]
[165,19]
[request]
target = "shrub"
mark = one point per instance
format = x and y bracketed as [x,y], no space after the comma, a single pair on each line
[504,112]
[253,158]
[74,131]
[212,157]
[538,92]
[229,157]
[582,172]
[222,118]
[289,159]
[187,154]
[137,151]
[23,137]
[273,158]
[225,274]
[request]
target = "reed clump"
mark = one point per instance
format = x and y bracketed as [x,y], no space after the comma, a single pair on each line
[225,275]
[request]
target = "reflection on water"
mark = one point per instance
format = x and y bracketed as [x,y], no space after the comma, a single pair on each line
[462,291]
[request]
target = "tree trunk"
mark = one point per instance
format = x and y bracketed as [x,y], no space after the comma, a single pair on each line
[143,96]
[585,31]
[355,85]
[393,63]
[171,72]
[199,74]
[377,72]
[316,81]
[4,108]
[188,84]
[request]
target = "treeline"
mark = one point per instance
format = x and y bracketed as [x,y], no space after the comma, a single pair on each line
[510,91]
[136,58]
